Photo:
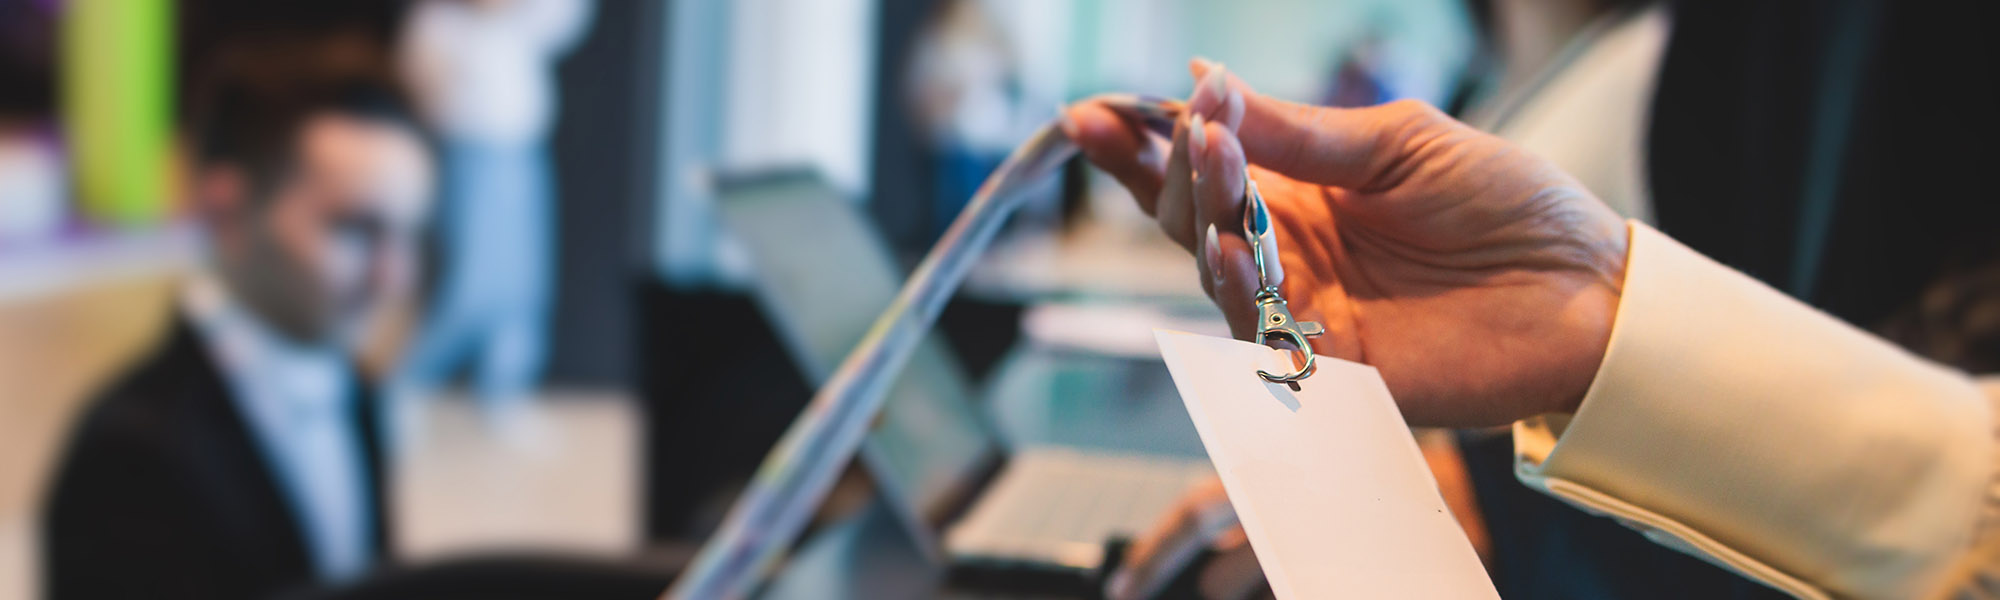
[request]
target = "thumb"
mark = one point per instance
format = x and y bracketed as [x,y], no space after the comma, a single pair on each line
[1346,147]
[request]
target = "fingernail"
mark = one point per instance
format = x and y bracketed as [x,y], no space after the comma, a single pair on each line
[1197,134]
[1217,82]
[1212,252]
[1207,66]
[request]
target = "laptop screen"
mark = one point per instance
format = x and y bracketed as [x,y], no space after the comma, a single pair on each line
[822,275]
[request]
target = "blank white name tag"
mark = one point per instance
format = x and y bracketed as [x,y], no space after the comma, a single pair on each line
[1328,483]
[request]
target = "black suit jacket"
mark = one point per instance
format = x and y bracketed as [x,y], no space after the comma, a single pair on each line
[163,492]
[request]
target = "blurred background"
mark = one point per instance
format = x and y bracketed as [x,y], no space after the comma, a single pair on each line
[657,225]
[663,383]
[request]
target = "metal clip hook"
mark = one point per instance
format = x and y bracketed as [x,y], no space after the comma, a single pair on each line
[1274,318]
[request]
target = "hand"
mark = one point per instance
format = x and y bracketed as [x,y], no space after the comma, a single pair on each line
[1479,279]
[1231,569]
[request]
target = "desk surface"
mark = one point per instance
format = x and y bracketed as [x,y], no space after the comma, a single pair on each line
[1094,260]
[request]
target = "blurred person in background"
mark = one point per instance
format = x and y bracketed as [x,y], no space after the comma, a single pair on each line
[482,72]
[242,458]
[1357,78]
[32,188]
[964,90]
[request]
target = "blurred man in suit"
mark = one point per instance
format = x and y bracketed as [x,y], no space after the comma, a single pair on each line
[242,458]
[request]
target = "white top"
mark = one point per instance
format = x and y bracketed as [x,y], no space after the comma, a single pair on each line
[298,403]
[1589,115]
[485,71]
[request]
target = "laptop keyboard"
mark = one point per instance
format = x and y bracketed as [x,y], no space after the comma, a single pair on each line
[1055,507]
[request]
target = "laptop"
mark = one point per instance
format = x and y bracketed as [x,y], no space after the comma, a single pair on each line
[821,274]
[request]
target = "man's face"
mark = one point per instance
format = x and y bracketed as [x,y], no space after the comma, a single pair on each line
[337,234]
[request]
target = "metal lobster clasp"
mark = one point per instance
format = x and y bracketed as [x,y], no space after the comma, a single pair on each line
[1274,318]
[1275,321]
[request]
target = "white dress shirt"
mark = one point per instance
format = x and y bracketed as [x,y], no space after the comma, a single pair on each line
[1732,422]
[1589,115]
[299,405]
[486,72]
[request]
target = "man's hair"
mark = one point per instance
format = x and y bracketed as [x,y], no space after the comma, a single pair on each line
[256,96]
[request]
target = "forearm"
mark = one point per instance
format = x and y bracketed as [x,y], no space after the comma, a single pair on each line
[1733,422]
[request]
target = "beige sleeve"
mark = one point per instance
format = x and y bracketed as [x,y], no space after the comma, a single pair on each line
[1743,427]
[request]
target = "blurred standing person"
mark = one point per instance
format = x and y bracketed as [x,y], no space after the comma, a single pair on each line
[964,91]
[483,74]
[32,186]
[242,459]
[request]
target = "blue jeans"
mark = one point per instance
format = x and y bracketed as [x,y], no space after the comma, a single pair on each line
[491,309]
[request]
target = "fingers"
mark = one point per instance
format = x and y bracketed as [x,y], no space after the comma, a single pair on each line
[1181,518]
[1219,201]
[1218,95]
[1233,573]
[1234,284]
[1218,176]
[1218,193]
[1200,507]
[1347,147]
[1120,147]
[1174,208]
